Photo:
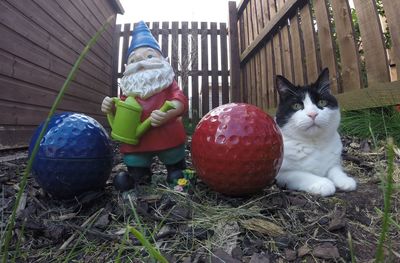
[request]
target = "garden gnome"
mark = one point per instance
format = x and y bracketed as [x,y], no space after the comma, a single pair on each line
[150,79]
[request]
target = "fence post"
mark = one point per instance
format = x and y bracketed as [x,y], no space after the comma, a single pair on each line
[234,53]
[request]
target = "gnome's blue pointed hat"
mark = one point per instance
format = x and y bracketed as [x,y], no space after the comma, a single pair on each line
[142,37]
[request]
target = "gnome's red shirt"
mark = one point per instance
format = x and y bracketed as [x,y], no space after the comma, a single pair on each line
[166,136]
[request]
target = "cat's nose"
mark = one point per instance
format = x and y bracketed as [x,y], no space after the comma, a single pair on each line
[312,115]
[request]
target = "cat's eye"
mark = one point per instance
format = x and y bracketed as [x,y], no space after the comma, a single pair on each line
[297,106]
[322,103]
[150,56]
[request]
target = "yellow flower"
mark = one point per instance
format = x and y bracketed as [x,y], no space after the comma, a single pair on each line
[182,182]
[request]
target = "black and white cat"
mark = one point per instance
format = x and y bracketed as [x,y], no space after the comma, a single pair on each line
[309,117]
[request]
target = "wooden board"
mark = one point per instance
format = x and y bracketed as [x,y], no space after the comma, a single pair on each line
[214,66]
[264,78]
[349,57]
[298,77]
[308,35]
[174,47]
[372,40]
[125,44]
[271,75]
[205,100]
[326,43]
[224,63]
[184,59]
[393,19]
[234,52]
[165,39]
[194,54]
[287,57]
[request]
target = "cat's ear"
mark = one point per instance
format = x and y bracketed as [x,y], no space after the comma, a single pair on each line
[323,82]
[284,87]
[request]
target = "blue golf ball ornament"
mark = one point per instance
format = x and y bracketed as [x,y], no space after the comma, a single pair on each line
[74,156]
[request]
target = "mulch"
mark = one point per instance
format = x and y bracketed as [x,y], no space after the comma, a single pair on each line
[203,226]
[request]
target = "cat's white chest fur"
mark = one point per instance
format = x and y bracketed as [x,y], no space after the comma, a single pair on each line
[313,156]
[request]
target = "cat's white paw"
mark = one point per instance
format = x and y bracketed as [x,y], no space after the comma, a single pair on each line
[346,184]
[323,187]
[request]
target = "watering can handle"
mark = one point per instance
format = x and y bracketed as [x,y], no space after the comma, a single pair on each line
[145,126]
[110,116]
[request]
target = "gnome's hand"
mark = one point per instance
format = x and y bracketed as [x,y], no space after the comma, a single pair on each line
[158,118]
[107,105]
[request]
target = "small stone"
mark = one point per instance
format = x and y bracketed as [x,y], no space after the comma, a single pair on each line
[220,256]
[290,254]
[303,250]
[355,145]
[259,258]
[326,251]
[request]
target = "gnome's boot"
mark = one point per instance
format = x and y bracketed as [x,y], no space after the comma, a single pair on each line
[128,180]
[175,171]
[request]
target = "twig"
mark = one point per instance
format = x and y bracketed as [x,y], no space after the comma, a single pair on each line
[72,237]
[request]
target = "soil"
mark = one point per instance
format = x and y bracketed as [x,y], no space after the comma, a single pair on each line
[203,226]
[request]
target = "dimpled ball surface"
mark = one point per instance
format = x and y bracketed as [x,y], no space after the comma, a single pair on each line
[74,156]
[237,149]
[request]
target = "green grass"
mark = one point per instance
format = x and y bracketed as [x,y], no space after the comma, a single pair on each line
[378,123]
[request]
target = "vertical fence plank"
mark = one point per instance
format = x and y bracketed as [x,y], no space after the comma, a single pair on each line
[372,40]
[214,66]
[155,31]
[258,77]
[277,54]
[194,54]
[204,68]
[393,19]
[310,49]
[298,77]
[287,53]
[260,15]
[224,63]
[349,58]
[254,19]
[234,54]
[165,38]
[174,47]
[243,83]
[271,75]
[245,31]
[326,42]
[116,38]
[184,60]
[264,79]
[125,44]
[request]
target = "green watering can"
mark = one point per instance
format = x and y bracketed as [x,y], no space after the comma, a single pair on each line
[125,124]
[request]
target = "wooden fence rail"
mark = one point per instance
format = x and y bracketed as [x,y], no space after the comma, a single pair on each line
[198,53]
[355,39]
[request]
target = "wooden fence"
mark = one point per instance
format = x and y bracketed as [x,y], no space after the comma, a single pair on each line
[198,53]
[297,38]
[40,41]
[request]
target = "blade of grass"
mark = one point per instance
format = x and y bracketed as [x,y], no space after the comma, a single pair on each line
[387,197]
[350,240]
[24,180]
[152,251]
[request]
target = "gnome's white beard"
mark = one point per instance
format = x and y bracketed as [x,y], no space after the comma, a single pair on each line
[147,77]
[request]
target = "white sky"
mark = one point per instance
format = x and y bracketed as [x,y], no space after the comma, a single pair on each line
[174,10]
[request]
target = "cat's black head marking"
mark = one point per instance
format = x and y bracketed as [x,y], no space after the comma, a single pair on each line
[291,97]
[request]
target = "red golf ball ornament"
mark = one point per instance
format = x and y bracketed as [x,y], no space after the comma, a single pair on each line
[237,149]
